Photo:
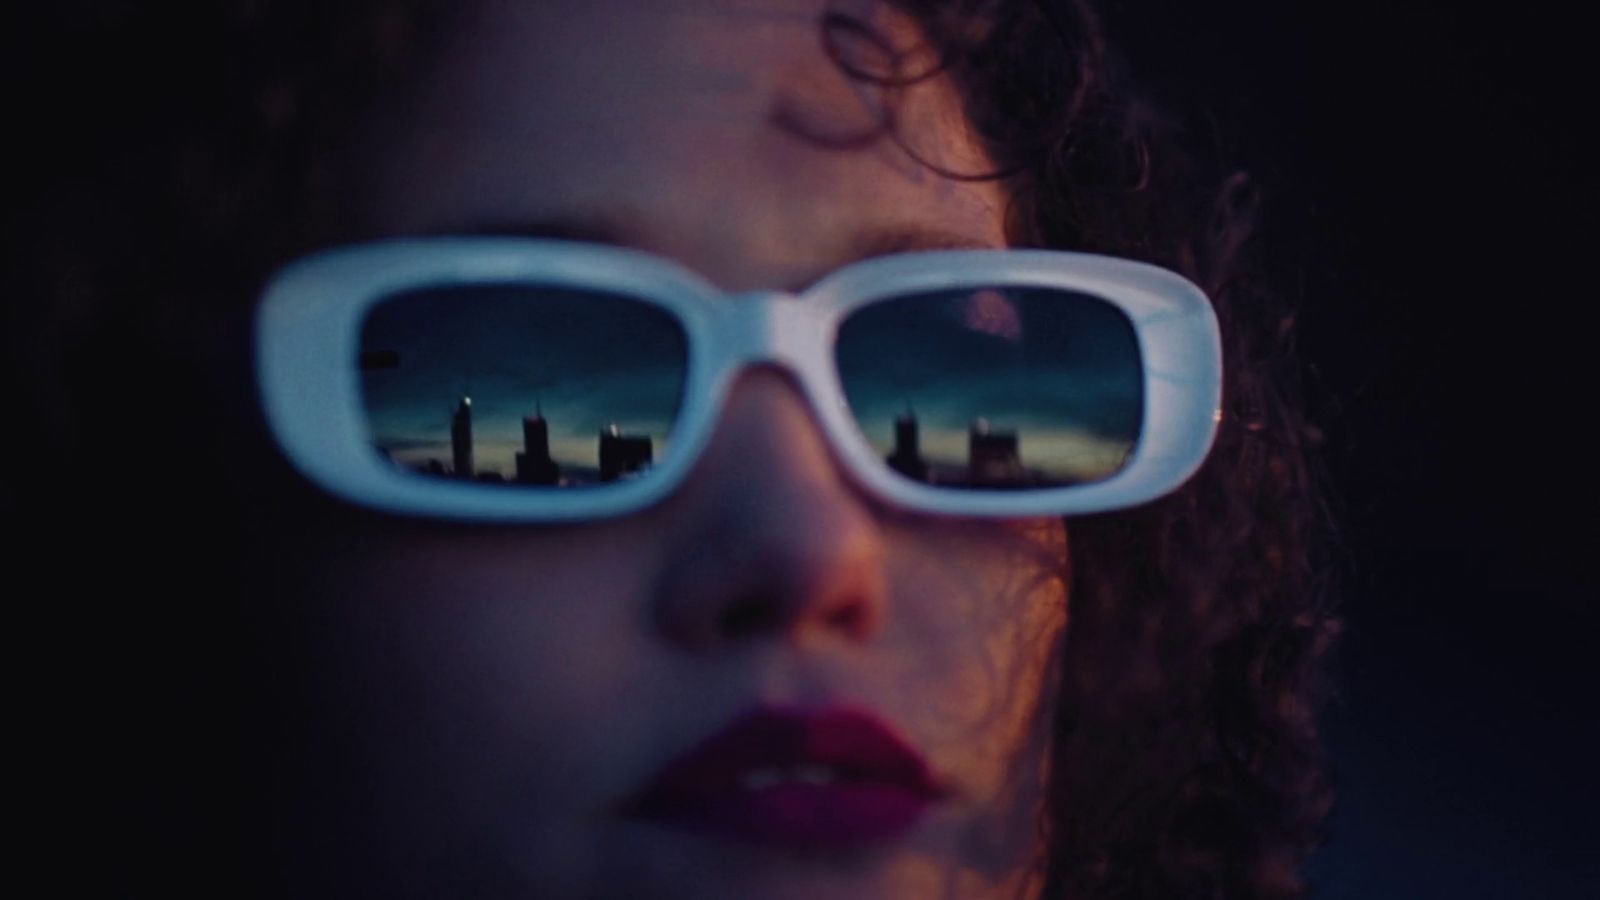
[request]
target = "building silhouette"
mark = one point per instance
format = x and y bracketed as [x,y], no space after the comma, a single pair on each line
[907,456]
[534,465]
[461,438]
[993,457]
[621,454]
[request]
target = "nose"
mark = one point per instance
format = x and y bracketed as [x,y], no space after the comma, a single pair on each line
[769,540]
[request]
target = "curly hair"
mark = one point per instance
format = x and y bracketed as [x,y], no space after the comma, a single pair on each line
[1187,760]
[1187,756]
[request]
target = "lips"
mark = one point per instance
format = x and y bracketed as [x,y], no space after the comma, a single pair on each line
[805,779]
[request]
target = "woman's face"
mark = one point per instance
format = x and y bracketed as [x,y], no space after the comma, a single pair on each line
[506,695]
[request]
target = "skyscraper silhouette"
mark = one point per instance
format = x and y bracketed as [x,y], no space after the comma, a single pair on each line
[534,465]
[461,437]
[907,456]
[993,457]
[621,453]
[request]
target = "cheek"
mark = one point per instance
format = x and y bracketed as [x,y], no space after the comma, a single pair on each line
[980,614]
[463,658]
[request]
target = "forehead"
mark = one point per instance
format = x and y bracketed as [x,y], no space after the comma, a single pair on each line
[719,133]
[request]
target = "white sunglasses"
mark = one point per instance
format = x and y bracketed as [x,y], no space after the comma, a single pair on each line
[518,380]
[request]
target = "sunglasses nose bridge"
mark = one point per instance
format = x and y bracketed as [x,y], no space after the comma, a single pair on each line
[773,327]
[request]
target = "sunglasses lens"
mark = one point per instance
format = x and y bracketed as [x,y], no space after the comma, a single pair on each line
[995,388]
[521,384]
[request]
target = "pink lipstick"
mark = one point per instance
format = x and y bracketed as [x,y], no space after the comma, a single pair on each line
[824,779]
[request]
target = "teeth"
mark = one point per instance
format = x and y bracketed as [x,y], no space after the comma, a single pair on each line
[761,779]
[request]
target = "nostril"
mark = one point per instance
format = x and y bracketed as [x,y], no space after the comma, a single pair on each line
[848,617]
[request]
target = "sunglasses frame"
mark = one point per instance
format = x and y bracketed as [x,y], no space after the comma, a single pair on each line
[309,320]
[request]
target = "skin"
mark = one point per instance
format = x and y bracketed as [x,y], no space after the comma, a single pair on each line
[497,694]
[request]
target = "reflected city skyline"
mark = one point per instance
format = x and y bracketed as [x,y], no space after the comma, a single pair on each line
[993,457]
[617,454]
[991,388]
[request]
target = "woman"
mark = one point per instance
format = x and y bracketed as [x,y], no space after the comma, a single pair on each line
[1107,705]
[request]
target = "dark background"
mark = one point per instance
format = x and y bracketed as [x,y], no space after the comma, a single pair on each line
[1432,206]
